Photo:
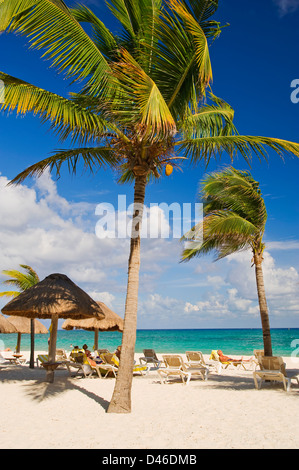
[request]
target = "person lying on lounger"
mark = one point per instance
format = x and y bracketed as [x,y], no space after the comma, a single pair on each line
[229,359]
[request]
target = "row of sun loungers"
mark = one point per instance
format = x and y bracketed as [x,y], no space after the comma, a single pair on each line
[174,366]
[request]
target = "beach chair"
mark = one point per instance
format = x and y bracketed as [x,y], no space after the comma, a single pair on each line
[273,368]
[109,363]
[78,360]
[98,352]
[4,361]
[41,358]
[150,357]
[235,363]
[61,356]
[17,359]
[257,354]
[175,367]
[102,370]
[112,359]
[196,359]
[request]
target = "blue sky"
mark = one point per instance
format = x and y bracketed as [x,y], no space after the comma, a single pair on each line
[50,224]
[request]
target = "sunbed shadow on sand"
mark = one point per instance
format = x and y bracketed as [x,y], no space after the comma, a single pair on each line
[230,382]
[38,389]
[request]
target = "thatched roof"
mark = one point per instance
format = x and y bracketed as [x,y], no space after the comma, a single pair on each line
[55,295]
[22,325]
[6,326]
[111,322]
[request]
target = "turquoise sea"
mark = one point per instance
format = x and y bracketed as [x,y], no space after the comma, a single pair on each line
[285,341]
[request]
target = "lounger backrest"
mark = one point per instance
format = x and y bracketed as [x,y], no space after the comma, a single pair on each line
[272,363]
[258,353]
[79,356]
[102,351]
[109,358]
[150,353]
[173,361]
[214,355]
[194,356]
[60,354]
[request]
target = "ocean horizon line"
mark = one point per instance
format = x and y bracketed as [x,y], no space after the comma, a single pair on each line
[202,329]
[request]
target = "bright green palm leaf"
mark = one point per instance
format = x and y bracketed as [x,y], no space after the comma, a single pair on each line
[234,215]
[20,280]
[140,101]
[205,148]
[91,158]
[209,120]
[202,54]
[66,117]
[102,36]
[49,25]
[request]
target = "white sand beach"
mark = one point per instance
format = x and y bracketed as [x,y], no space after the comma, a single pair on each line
[224,412]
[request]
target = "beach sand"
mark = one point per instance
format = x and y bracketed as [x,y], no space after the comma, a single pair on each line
[224,412]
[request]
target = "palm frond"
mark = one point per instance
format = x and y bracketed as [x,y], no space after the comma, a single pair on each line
[202,10]
[209,120]
[140,101]
[66,117]
[126,12]
[10,293]
[176,70]
[236,191]
[91,158]
[234,216]
[20,280]
[205,148]
[103,38]
[202,54]
[50,26]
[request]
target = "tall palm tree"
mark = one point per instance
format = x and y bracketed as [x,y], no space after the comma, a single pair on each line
[22,281]
[234,219]
[140,106]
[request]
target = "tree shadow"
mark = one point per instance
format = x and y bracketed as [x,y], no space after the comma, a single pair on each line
[38,389]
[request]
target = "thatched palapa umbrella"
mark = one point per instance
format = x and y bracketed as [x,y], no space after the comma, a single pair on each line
[5,326]
[54,297]
[111,322]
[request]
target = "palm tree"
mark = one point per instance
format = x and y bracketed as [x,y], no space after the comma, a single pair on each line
[140,107]
[234,219]
[22,282]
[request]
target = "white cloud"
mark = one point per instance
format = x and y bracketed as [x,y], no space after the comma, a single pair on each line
[52,234]
[44,230]
[105,297]
[286,245]
[223,305]
[287,6]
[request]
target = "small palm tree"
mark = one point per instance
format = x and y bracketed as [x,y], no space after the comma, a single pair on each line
[234,220]
[22,281]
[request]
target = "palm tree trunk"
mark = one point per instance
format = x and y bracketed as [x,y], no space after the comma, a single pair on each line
[263,304]
[121,398]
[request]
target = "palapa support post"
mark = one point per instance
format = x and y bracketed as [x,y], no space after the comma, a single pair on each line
[52,347]
[31,363]
[96,339]
[18,347]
